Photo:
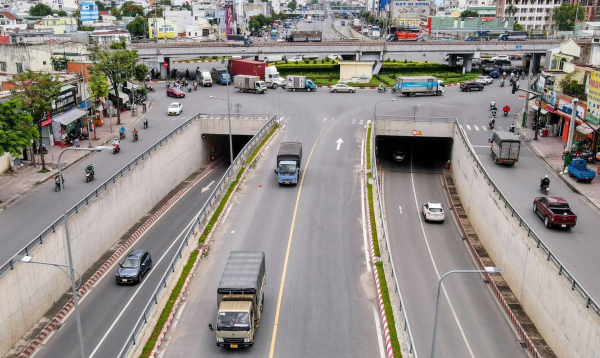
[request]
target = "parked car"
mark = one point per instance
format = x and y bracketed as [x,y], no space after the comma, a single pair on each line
[501,58]
[433,212]
[175,92]
[398,156]
[554,211]
[469,86]
[340,87]
[134,267]
[489,79]
[175,108]
[335,57]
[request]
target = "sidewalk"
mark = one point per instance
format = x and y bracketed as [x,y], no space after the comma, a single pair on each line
[550,150]
[14,184]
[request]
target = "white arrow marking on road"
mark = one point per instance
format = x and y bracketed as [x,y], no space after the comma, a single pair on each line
[339,142]
[207,187]
[400,210]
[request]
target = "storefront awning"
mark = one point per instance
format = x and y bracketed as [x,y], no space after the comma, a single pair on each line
[533,107]
[68,117]
[91,104]
[586,128]
[122,95]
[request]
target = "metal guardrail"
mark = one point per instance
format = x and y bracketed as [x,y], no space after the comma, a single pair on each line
[405,323]
[590,303]
[414,118]
[85,201]
[198,222]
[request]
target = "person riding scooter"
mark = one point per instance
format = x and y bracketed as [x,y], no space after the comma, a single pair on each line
[381,88]
[122,132]
[134,132]
[116,146]
[502,82]
[492,122]
[89,172]
[145,122]
[506,109]
[195,86]
[57,182]
[511,128]
[493,106]
[544,183]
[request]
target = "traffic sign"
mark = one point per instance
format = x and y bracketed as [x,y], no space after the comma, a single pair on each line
[166,64]
[519,47]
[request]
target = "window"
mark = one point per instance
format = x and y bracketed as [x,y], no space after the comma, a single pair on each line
[44,63]
[19,67]
[3,66]
[204,32]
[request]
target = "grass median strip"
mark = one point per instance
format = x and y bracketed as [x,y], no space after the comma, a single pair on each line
[190,263]
[370,196]
[389,312]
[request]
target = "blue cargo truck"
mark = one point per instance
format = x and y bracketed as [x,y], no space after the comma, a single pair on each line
[289,159]
[411,86]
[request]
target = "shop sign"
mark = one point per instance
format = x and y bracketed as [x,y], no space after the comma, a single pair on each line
[564,107]
[548,107]
[410,9]
[64,102]
[593,98]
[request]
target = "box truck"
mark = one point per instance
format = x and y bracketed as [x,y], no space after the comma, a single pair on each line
[289,159]
[257,68]
[411,86]
[505,147]
[299,83]
[249,84]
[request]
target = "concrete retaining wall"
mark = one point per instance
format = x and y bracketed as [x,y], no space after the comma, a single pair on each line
[405,127]
[30,290]
[559,313]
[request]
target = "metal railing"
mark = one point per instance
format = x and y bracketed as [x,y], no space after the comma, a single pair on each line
[198,222]
[590,303]
[414,118]
[39,239]
[381,218]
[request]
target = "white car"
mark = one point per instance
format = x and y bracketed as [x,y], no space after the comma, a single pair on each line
[501,58]
[433,212]
[295,59]
[335,57]
[175,108]
[484,80]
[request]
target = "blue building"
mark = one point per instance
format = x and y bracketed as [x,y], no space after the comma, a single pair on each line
[88,11]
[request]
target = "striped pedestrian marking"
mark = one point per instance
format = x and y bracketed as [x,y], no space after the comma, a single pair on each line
[476,128]
[468,127]
[324,119]
[361,122]
[484,128]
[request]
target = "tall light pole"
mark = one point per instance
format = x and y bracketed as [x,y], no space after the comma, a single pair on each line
[383,100]
[83,99]
[487,269]
[229,120]
[70,255]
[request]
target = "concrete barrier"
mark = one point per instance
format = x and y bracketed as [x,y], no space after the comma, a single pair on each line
[28,291]
[560,314]
[414,126]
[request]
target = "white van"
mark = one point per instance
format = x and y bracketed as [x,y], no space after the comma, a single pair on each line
[205,79]
[274,58]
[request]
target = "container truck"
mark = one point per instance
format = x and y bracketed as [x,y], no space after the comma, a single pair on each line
[411,86]
[249,84]
[247,67]
[289,159]
[300,83]
[240,299]
[272,78]
[305,36]
[220,75]
[505,147]
[356,23]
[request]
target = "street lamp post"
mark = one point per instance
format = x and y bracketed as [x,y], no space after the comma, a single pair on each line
[487,269]
[83,99]
[229,120]
[376,103]
[70,256]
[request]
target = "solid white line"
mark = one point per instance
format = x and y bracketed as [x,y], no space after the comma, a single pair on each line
[462,332]
[379,334]
[364,224]
[140,287]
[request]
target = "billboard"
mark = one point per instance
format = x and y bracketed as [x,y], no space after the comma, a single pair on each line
[593,98]
[410,9]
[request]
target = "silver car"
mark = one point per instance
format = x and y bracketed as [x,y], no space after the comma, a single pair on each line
[342,88]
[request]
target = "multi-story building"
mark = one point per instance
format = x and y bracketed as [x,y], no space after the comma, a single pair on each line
[592,8]
[531,14]
[88,11]
[60,25]
[9,22]
[62,4]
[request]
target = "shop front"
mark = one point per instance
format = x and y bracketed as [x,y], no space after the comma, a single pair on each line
[121,102]
[584,136]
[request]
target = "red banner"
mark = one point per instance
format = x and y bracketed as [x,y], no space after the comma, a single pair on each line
[48,119]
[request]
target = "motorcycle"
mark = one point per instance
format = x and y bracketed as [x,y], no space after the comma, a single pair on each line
[116,148]
[545,189]
[511,129]
[189,88]
[57,183]
[506,110]
[135,137]
[149,88]
[122,134]
[492,124]
[381,89]
[588,156]
[502,83]
[145,123]
[89,176]
[493,107]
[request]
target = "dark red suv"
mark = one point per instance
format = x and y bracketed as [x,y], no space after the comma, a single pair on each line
[175,92]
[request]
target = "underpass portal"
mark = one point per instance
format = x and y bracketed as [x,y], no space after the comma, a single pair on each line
[413,154]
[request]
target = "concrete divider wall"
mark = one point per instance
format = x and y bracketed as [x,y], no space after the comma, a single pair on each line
[558,312]
[407,127]
[240,125]
[29,290]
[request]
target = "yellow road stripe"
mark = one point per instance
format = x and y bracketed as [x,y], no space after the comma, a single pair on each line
[287,252]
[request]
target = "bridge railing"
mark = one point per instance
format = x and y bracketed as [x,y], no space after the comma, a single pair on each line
[39,239]
[199,221]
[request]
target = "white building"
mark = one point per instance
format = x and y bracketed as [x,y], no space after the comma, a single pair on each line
[71,5]
[107,37]
[9,22]
[532,14]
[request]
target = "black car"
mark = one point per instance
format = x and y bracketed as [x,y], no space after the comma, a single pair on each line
[134,267]
[469,86]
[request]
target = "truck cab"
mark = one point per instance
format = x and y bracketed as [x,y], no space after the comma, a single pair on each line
[220,75]
[287,172]
[205,79]
[272,77]
[234,324]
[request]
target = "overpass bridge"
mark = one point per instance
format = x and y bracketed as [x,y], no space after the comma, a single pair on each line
[163,52]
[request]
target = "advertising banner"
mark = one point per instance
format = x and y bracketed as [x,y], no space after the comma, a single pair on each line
[593,98]
[410,9]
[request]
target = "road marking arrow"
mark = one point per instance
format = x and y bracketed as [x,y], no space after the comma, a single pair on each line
[400,210]
[207,187]
[339,142]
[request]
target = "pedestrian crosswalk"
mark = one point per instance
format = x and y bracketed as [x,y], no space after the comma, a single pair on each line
[484,128]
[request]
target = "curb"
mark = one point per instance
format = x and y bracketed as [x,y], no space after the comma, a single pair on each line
[29,350]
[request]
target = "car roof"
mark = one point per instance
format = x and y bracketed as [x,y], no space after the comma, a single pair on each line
[556,200]
[434,205]
[137,253]
[176,103]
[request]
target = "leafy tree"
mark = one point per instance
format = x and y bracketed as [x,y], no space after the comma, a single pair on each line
[140,71]
[101,6]
[314,2]
[117,64]
[16,129]
[159,13]
[137,27]
[572,88]
[40,9]
[98,85]
[132,11]
[186,6]
[564,16]
[518,27]
[292,5]
[469,13]
[62,13]
[36,91]
[511,10]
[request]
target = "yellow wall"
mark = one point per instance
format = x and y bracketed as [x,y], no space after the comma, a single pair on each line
[350,69]
[161,23]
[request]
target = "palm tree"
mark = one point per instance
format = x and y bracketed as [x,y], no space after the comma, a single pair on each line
[510,10]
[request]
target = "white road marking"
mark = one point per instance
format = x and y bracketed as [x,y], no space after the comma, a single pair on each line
[484,128]
[354,121]
[462,332]
[480,146]
[400,210]
[207,187]
[233,232]
[378,326]
[360,122]
[468,127]
[476,128]
[339,143]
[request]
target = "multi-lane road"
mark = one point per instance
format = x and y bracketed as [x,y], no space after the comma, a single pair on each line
[320,298]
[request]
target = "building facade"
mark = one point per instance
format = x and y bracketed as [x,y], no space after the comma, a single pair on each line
[60,25]
[88,12]
[532,14]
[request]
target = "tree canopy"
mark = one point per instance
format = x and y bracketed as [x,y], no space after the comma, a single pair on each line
[16,129]
[292,5]
[101,6]
[564,16]
[469,13]
[40,9]
[138,27]
[572,88]
[132,10]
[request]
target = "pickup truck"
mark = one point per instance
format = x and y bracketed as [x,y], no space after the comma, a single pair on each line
[579,170]
[555,212]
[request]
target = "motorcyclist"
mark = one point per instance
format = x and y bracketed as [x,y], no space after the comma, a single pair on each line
[90,169]
[122,131]
[506,108]
[62,178]
[145,122]
[502,82]
[511,128]
[493,113]
[195,85]
[135,133]
[493,105]
[381,87]
[492,122]
[545,182]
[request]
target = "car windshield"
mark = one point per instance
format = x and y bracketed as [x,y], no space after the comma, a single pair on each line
[174,106]
[435,210]
[225,76]
[233,321]
[287,169]
[131,263]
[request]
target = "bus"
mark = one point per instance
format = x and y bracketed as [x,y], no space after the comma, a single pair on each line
[274,34]
[513,36]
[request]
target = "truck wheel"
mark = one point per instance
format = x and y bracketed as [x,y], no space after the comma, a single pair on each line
[274,86]
[546,222]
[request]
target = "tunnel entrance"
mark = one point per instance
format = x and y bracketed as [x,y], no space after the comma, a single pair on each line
[218,145]
[413,154]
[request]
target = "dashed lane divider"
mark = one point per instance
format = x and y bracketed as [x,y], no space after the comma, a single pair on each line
[52,325]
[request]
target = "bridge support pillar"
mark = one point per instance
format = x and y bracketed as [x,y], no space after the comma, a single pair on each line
[467,63]
[164,71]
